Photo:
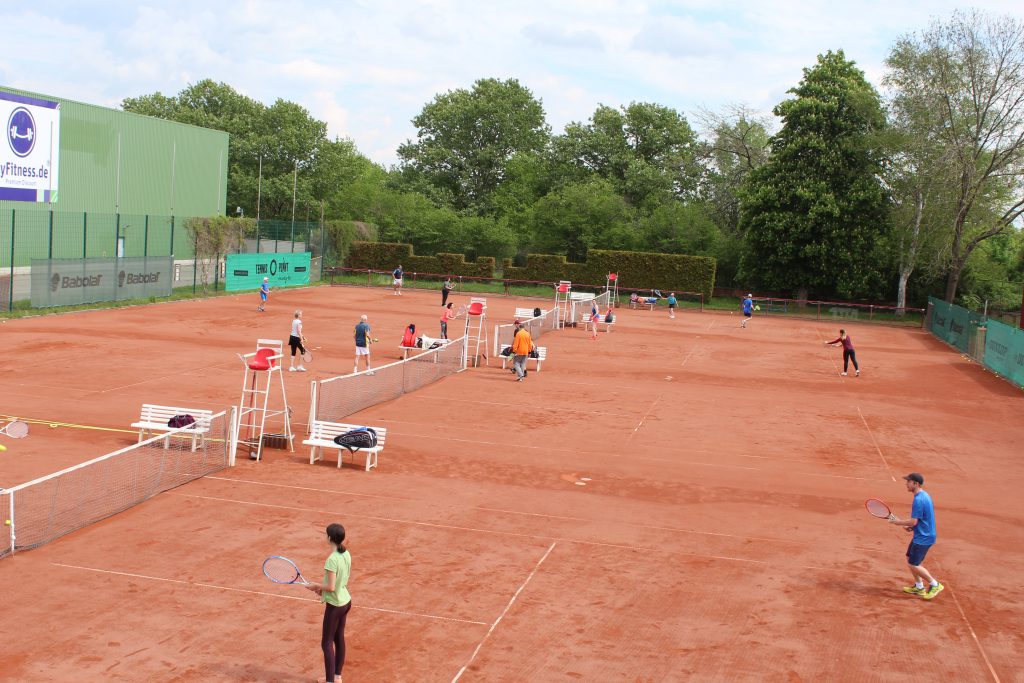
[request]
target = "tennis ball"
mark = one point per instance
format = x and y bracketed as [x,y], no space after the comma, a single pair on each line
[7,522]
[2,448]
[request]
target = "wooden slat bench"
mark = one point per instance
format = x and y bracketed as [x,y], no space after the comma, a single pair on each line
[542,353]
[323,435]
[587,322]
[154,418]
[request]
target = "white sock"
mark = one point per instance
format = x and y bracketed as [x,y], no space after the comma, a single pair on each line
[355,369]
[919,584]
[934,582]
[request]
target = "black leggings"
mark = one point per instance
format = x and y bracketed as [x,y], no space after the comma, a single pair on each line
[296,344]
[333,640]
[848,355]
[444,295]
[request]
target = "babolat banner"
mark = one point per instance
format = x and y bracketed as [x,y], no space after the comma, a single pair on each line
[246,271]
[68,282]
[1004,351]
[953,324]
[29,149]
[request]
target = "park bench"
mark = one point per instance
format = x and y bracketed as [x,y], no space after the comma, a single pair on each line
[154,418]
[322,436]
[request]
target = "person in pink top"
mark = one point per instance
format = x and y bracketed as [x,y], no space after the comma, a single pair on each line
[447,314]
[848,352]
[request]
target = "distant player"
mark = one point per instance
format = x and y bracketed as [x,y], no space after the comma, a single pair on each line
[398,275]
[296,342]
[362,338]
[264,293]
[595,316]
[748,309]
[672,304]
[446,289]
[848,352]
[922,523]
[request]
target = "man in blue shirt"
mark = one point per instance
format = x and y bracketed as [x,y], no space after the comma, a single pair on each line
[362,337]
[748,310]
[398,274]
[922,523]
[264,292]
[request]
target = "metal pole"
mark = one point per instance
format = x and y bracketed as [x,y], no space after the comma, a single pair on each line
[85,232]
[259,193]
[10,295]
[49,251]
[145,237]
[117,182]
[295,188]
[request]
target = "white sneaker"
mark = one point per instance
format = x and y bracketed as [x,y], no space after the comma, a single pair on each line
[291,369]
[301,369]
[858,374]
[370,372]
[843,374]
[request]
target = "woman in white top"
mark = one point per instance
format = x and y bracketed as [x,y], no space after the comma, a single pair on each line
[295,341]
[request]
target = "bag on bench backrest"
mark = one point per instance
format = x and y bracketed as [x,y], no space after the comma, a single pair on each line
[507,351]
[179,421]
[536,313]
[534,353]
[361,437]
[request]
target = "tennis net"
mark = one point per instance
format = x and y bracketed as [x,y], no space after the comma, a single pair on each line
[581,304]
[47,508]
[537,326]
[338,397]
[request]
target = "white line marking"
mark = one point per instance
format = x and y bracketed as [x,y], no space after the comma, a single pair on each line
[872,435]
[502,615]
[646,415]
[974,635]
[305,488]
[269,595]
[156,379]
[516,406]
[683,364]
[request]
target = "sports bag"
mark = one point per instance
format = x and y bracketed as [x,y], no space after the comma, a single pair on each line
[179,421]
[536,313]
[360,437]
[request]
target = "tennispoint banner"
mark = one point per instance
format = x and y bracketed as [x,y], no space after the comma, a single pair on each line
[29,150]
[246,271]
[69,282]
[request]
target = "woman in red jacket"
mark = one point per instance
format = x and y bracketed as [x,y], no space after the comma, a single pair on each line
[848,352]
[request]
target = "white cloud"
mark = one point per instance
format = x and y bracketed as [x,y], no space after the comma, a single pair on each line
[367,67]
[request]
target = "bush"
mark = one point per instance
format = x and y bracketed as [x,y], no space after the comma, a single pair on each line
[387,255]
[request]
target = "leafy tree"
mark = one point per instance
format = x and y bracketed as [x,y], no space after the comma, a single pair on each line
[466,139]
[814,212]
[968,75]
[647,151]
[578,216]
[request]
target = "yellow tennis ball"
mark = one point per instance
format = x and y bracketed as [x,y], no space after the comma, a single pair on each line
[2,448]
[7,522]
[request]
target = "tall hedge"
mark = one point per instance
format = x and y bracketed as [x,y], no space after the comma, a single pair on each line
[340,235]
[386,256]
[636,269]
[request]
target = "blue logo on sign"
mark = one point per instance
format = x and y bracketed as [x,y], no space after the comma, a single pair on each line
[21,132]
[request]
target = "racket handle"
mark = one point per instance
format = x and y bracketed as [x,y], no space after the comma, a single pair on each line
[892,517]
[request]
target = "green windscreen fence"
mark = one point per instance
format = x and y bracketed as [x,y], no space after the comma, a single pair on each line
[953,324]
[1004,351]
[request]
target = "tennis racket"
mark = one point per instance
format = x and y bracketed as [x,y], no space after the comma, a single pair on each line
[282,570]
[461,312]
[307,355]
[879,509]
[16,429]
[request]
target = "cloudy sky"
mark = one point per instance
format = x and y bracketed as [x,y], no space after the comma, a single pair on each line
[366,67]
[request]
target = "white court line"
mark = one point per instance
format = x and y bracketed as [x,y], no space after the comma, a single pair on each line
[646,415]
[515,406]
[306,488]
[872,435]
[269,595]
[157,379]
[451,527]
[683,364]
[977,641]
[502,615]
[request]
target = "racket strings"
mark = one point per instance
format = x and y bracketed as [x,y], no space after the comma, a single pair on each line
[877,508]
[280,570]
[15,429]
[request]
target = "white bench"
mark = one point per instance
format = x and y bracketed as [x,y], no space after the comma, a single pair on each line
[587,322]
[524,314]
[542,353]
[154,418]
[323,436]
[406,350]
[642,301]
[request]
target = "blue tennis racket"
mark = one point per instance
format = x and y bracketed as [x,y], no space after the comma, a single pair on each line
[282,570]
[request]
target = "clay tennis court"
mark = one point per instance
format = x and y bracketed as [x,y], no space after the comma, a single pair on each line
[680,500]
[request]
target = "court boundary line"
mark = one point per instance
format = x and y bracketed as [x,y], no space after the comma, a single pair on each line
[875,442]
[503,613]
[307,488]
[262,593]
[644,418]
[974,636]
[452,527]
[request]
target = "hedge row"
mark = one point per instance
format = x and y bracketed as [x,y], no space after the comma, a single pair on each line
[387,256]
[341,235]
[636,270]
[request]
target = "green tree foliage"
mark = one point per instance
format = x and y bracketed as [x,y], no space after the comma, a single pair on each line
[814,212]
[965,81]
[578,216]
[465,140]
[646,151]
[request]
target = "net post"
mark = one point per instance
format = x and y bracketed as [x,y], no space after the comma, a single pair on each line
[10,518]
[314,387]
[496,350]
[232,426]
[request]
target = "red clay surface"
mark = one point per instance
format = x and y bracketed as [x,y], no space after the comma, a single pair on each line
[719,534]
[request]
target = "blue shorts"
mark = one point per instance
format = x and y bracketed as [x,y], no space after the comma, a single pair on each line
[263,296]
[916,553]
[748,314]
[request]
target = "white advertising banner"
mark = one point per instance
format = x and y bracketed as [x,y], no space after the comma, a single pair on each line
[29,148]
